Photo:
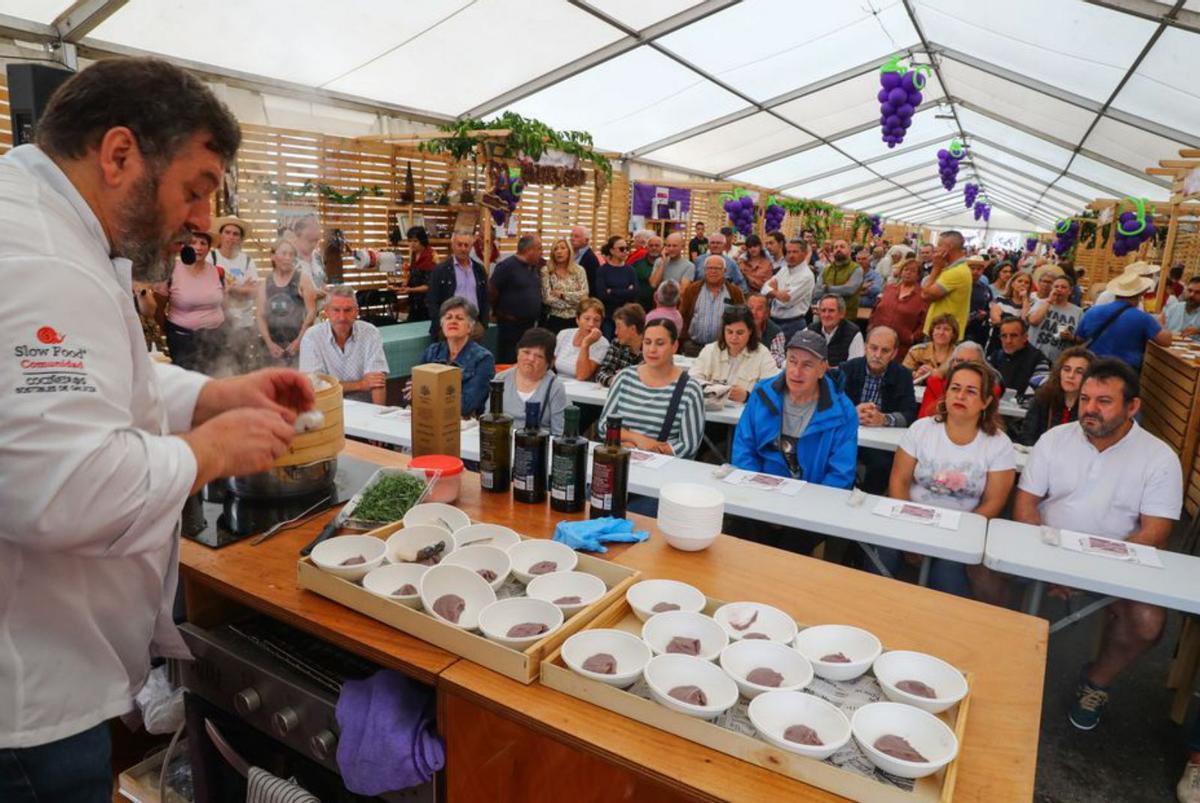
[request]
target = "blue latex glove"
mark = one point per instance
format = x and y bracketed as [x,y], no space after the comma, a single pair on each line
[591,535]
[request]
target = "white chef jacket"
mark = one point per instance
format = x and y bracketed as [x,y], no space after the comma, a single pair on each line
[91,484]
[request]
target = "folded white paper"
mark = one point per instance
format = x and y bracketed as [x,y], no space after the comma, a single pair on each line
[1138,554]
[764,482]
[919,514]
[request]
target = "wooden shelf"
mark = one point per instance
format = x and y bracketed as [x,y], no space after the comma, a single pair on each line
[447,207]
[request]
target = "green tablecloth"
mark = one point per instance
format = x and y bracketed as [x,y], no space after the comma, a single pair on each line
[404,343]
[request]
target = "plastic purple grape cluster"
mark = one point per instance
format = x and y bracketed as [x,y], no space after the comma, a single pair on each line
[947,168]
[1068,233]
[899,98]
[970,191]
[773,217]
[509,189]
[1126,243]
[741,214]
[1031,243]
[876,226]
[983,211]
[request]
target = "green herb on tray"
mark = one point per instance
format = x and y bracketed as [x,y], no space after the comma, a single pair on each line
[389,498]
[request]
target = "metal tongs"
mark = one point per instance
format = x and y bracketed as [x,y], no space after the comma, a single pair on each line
[295,521]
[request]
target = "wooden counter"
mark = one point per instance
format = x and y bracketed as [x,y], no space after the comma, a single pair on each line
[508,741]
[1171,410]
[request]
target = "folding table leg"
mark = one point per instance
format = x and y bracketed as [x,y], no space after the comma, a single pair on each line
[874,556]
[1034,601]
[923,577]
[1082,613]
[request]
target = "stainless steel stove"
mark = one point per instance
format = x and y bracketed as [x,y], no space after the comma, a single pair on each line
[284,685]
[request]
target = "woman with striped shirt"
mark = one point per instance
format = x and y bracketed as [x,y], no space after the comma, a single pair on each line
[661,406]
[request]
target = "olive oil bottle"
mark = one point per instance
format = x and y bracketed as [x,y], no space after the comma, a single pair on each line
[531,451]
[495,442]
[568,466]
[610,474]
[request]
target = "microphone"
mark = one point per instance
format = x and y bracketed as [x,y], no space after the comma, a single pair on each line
[187,255]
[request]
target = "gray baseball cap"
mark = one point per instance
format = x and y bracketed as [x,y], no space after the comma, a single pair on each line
[809,341]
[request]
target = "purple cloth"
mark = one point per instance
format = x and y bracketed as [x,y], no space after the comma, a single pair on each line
[643,199]
[388,737]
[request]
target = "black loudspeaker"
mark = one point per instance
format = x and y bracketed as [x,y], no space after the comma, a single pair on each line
[29,89]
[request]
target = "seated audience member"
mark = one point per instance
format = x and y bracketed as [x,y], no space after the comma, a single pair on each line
[666,304]
[797,423]
[1057,400]
[581,349]
[564,286]
[531,380]
[626,347]
[931,356]
[1183,317]
[769,333]
[717,246]
[673,266]
[1121,328]
[959,459]
[755,264]
[1101,475]
[460,274]
[1052,322]
[346,348]
[737,359]
[902,308]
[935,385]
[1015,302]
[1017,360]
[872,284]
[458,317]
[660,406]
[882,392]
[703,303]
[1175,281]
[791,289]
[644,270]
[843,338]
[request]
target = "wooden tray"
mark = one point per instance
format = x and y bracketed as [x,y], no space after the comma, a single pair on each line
[523,667]
[936,788]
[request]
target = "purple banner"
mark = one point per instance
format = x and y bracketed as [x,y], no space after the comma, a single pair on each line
[644,196]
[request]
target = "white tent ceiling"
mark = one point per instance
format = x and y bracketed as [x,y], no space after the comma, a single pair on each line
[1059,101]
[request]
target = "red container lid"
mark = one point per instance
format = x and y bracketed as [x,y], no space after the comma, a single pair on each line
[448,465]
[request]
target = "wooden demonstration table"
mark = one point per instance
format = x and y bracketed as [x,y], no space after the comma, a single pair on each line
[509,741]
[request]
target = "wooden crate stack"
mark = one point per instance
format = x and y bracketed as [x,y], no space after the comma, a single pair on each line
[1169,411]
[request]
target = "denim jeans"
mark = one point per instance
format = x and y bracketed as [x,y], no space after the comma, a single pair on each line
[77,769]
[944,575]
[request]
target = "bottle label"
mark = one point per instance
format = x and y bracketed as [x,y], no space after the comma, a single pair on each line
[603,475]
[562,478]
[524,469]
[486,478]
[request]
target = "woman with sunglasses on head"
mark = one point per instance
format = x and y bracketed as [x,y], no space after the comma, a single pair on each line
[616,281]
[959,459]
[737,358]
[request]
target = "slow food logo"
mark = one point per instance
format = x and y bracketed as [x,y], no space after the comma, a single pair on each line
[48,366]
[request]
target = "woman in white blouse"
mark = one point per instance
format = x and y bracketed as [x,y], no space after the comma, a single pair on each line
[737,358]
[959,458]
[581,349]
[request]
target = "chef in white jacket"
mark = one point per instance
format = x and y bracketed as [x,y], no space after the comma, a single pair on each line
[99,447]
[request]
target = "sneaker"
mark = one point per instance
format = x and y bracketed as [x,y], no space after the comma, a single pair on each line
[1089,704]
[1188,788]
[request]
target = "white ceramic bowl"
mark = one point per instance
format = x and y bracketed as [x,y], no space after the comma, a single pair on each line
[460,580]
[643,596]
[588,587]
[439,514]
[900,665]
[410,540]
[495,535]
[659,630]
[773,712]
[688,542]
[742,657]
[496,619]
[535,550]
[861,647]
[631,653]
[771,622]
[666,672]
[482,557]
[931,737]
[329,554]
[691,496]
[384,581]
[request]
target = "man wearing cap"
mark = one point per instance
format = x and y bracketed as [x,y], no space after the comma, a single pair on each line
[241,287]
[1120,328]
[798,424]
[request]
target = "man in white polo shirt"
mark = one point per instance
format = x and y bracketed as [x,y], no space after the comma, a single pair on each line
[1105,475]
[347,348]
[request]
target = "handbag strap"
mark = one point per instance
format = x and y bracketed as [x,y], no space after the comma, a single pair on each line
[673,407]
[1107,324]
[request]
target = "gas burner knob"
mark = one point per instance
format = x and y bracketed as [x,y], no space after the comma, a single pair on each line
[284,721]
[322,744]
[247,701]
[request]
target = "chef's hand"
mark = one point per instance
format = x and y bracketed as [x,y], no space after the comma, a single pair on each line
[241,441]
[282,391]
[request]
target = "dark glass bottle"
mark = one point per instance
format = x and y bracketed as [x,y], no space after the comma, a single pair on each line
[531,452]
[610,474]
[495,442]
[568,466]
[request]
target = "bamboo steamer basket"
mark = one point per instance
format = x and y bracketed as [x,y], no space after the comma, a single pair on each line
[324,443]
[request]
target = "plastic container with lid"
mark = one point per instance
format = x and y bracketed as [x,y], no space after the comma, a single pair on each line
[448,470]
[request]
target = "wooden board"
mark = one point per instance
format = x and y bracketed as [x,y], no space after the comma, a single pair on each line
[556,675]
[522,666]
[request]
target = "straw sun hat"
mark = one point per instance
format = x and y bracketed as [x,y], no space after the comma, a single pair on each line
[1130,284]
[222,222]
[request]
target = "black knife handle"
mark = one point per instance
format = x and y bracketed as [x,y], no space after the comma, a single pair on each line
[329,531]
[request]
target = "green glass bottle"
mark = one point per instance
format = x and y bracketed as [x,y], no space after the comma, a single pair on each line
[568,466]
[531,450]
[495,442]
[610,474]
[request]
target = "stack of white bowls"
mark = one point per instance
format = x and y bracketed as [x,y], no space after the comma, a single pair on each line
[690,515]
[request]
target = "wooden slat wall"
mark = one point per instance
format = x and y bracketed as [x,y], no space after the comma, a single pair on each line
[1169,411]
